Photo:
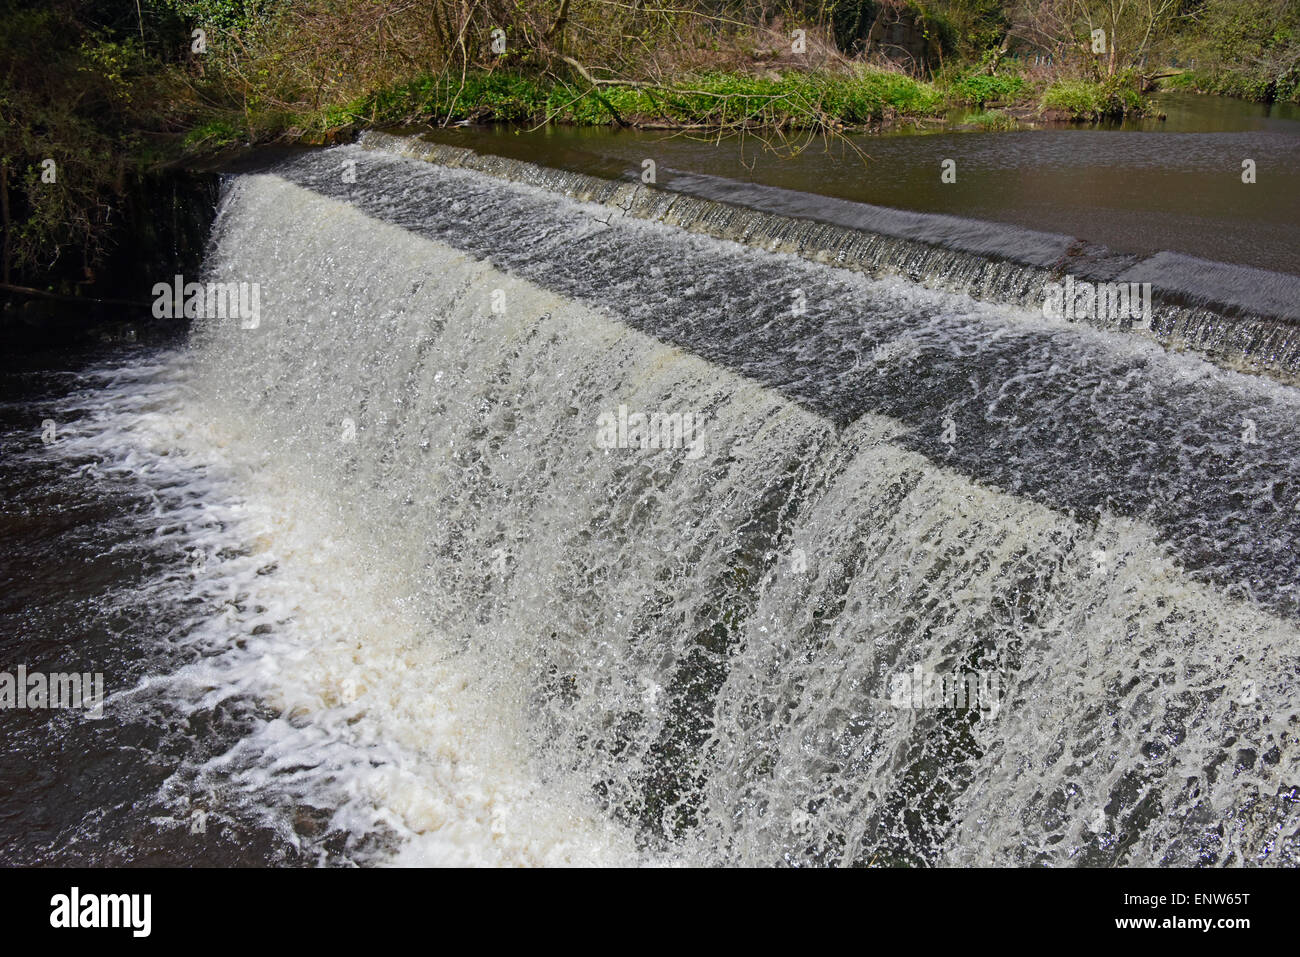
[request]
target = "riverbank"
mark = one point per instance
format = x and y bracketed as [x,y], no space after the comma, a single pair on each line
[96,98]
[857,98]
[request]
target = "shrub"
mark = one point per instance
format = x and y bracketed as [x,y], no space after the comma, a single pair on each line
[1095,99]
[981,89]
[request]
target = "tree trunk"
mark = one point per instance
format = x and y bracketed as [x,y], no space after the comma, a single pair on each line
[556,33]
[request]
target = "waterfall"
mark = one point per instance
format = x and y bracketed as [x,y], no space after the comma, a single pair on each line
[649,536]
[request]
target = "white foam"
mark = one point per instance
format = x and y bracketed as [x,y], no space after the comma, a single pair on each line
[472,715]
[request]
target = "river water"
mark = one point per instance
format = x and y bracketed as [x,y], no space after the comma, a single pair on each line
[376,581]
[1137,187]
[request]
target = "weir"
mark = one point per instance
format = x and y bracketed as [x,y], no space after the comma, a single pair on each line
[1241,317]
[701,647]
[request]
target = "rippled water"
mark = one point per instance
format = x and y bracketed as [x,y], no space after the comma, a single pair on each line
[101,515]
[397,600]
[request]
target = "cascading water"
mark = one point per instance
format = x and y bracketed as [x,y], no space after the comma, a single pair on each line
[1242,317]
[492,623]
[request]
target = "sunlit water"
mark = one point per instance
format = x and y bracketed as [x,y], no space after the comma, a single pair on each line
[1145,185]
[391,599]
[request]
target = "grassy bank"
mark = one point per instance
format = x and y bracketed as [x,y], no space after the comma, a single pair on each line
[1245,84]
[1082,100]
[708,66]
[857,99]
[853,99]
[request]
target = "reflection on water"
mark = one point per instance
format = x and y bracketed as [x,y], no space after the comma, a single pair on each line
[1143,187]
[1191,113]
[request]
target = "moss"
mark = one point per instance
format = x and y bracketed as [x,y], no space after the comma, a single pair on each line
[213,135]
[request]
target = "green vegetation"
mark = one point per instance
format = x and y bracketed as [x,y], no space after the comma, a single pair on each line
[981,88]
[991,121]
[111,89]
[1094,100]
[313,70]
[1245,48]
[710,100]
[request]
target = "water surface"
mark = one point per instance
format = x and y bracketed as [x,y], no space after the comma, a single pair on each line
[1139,187]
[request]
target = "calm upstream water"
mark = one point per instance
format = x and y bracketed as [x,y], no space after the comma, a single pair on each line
[391,575]
[1172,184]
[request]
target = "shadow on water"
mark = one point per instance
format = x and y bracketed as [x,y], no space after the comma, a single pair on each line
[160,228]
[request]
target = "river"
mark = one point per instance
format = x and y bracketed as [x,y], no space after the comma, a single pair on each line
[883,574]
[1136,187]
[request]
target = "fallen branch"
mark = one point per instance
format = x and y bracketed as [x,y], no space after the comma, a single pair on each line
[42,294]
